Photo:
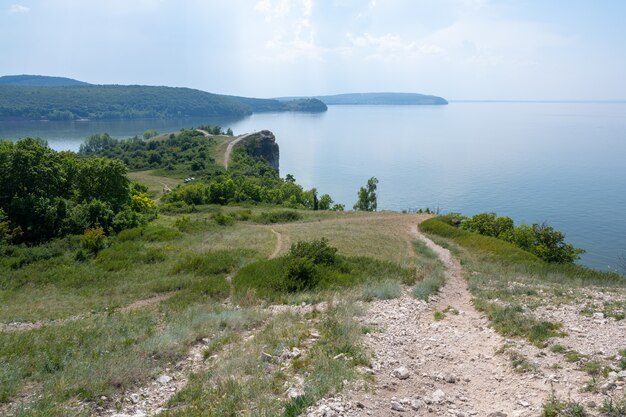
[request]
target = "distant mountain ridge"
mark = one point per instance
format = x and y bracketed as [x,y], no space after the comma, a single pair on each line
[35,97]
[377,99]
[39,81]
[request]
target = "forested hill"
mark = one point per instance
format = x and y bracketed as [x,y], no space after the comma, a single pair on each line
[378,99]
[68,102]
[38,80]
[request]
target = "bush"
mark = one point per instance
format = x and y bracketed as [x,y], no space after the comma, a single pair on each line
[489,224]
[93,240]
[554,407]
[269,278]
[539,239]
[223,219]
[283,216]
[213,263]
[319,252]
[300,274]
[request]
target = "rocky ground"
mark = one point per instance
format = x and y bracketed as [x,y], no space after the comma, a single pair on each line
[458,366]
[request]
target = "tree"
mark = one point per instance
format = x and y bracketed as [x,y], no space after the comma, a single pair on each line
[326,202]
[367,196]
[229,132]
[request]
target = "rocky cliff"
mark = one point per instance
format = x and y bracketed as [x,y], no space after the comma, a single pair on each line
[262,144]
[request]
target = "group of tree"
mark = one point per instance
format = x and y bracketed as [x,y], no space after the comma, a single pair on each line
[69,102]
[46,194]
[250,179]
[186,152]
[540,239]
[367,199]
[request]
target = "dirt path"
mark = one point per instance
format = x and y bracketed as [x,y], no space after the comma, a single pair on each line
[279,244]
[450,367]
[229,148]
[25,326]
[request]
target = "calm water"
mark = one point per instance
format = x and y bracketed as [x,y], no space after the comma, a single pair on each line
[563,163]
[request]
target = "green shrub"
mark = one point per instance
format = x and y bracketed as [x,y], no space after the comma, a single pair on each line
[319,252]
[268,277]
[614,407]
[300,274]
[223,219]
[282,216]
[554,407]
[212,263]
[93,240]
[510,320]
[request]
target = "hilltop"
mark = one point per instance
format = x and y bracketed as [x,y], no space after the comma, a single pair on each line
[379,99]
[38,81]
[53,98]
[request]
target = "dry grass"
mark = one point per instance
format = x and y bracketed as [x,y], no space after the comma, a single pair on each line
[222,142]
[155,183]
[383,236]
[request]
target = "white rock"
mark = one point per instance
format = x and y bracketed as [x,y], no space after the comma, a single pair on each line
[294,393]
[417,404]
[396,406]
[164,379]
[438,396]
[401,373]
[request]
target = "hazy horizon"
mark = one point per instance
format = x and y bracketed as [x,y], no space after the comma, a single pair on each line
[456,49]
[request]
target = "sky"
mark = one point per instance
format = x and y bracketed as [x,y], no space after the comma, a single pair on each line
[458,49]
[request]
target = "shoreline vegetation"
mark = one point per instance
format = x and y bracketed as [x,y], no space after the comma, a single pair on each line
[235,289]
[28,97]
[54,98]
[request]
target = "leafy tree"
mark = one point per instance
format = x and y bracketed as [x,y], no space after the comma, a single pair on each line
[367,200]
[489,224]
[46,194]
[539,239]
[150,133]
[229,132]
[326,202]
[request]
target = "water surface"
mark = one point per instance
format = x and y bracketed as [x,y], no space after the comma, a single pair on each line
[563,163]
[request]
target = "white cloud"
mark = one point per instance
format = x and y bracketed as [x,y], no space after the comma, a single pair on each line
[293,32]
[18,8]
[390,46]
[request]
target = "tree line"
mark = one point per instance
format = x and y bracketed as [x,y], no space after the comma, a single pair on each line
[46,194]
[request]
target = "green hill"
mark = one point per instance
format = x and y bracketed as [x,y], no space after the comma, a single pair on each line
[378,99]
[38,81]
[63,102]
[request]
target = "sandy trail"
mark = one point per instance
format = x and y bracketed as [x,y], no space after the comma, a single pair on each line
[279,244]
[229,148]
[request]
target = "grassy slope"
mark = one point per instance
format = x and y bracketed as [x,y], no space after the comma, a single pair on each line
[189,263]
[508,284]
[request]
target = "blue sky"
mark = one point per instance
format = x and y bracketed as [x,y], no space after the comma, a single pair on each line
[459,49]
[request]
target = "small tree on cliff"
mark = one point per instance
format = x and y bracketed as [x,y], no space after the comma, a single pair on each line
[367,196]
